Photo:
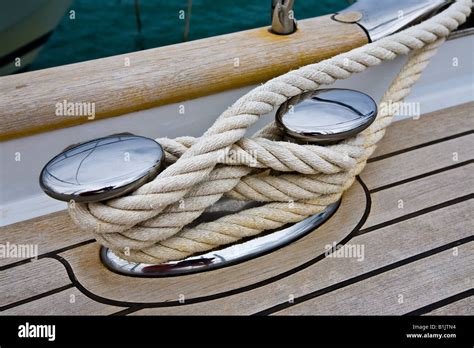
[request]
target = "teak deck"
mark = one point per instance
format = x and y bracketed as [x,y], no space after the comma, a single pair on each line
[411,210]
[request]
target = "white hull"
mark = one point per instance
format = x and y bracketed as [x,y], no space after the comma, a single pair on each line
[24,27]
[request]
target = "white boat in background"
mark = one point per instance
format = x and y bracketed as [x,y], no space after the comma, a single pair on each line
[25,26]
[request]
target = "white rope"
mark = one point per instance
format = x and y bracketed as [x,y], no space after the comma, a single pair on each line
[149,225]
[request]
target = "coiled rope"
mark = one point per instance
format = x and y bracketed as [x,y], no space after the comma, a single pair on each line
[149,225]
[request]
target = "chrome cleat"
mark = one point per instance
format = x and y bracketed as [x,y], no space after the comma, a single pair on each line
[326,116]
[101,169]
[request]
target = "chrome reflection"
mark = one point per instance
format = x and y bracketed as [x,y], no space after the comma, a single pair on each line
[102,168]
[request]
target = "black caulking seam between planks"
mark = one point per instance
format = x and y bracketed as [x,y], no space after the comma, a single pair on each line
[444,302]
[41,256]
[367,275]
[421,176]
[36,297]
[417,213]
[419,146]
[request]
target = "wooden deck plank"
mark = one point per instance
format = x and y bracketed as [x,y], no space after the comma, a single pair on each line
[461,307]
[382,247]
[99,280]
[399,291]
[67,302]
[419,194]
[50,232]
[418,162]
[31,279]
[431,127]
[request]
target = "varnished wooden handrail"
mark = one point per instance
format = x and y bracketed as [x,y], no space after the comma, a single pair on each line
[130,82]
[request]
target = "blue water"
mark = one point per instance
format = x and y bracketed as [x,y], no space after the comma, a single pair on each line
[109,27]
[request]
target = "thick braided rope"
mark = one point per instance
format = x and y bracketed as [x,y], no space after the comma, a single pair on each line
[147,226]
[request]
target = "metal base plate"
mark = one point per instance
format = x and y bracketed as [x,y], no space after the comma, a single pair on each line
[219,258]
